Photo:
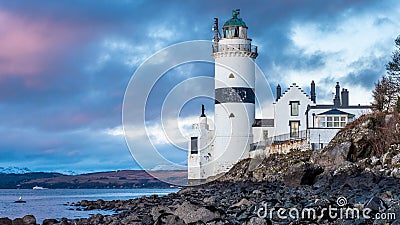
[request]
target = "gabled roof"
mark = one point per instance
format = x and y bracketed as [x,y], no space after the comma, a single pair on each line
[335,112]
[294,85]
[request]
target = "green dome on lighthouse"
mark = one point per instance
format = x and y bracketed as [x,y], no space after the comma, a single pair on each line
[235,21]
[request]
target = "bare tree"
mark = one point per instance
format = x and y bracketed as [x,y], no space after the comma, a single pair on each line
[393,67]
[387,90]
[384,94]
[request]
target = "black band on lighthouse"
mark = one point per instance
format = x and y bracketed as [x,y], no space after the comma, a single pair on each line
[234,94]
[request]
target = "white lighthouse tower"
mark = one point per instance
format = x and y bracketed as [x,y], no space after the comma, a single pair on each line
[234,93]
[212,152]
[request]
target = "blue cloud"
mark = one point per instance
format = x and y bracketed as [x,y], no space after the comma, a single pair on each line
[56,118]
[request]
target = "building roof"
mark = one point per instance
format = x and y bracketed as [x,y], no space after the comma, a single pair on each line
[332,106]
[335,112]
[294,85]
[263,123]
[235,21]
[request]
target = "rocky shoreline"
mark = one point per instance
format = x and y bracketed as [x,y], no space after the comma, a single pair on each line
[352,181]
[245,203]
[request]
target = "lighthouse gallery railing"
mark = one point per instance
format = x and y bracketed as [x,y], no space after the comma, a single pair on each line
[234,47]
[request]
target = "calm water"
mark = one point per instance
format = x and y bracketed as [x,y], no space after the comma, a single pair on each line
[50,203]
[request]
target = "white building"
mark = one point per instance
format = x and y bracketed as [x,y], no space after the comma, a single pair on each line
[297,116]
[298,120]
[324,121]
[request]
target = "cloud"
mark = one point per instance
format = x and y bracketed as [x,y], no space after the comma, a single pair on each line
[64,67]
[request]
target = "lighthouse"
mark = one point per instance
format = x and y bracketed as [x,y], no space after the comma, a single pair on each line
[213,152]
[234,57]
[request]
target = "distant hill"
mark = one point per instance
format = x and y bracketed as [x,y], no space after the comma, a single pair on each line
[115,179]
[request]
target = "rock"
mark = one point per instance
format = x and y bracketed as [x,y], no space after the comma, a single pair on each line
[209,200]
[375,204]
[5,221]
[258,221]
[158,210]
[191,213]
[84,203]
[29,220]
[49,222]
[169,219]
[333,158]
[18,221]
[396,159]
[257,192]
[395,173]
[302,174]
[244,201]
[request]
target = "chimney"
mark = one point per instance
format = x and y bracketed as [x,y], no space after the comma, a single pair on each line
[312,94]
[345,97]
[336,100]
[278,92]
[202,111]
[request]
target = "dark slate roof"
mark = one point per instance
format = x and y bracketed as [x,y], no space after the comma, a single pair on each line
[335,112]
[332,106]
[263,123]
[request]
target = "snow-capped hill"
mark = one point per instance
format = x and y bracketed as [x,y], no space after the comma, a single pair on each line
[14,170]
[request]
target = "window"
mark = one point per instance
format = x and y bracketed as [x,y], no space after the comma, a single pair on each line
[336,121]
[265,135]
[329,122]
[322,122]
[342,121]
[294,108]
[332,121]
[193,145]
[294,128]
[231,75]
[231,115]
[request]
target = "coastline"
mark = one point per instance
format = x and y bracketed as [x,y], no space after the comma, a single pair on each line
[245,203]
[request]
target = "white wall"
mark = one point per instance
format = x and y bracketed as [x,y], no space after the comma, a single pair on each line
[322,136]
[282,109]
[200,165]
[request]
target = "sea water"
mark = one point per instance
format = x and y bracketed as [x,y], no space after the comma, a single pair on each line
[55,203]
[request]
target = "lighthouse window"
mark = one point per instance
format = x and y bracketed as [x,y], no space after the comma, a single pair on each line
[294,108]
[231,75]
[236,34]
[193,145]
[231,115]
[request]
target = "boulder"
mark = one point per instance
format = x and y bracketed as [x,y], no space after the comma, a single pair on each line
[375,204]
[209,200]
[242,202]
[302,174]
[169,219]
[158,210]
[191,213]
[334,157]
[258,221]
[49,222]
[29,220]
[5,221]
[18,221]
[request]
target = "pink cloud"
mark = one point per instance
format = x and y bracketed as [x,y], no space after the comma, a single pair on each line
[28,47]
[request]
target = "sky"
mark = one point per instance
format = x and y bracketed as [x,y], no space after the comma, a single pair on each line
[65,66]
